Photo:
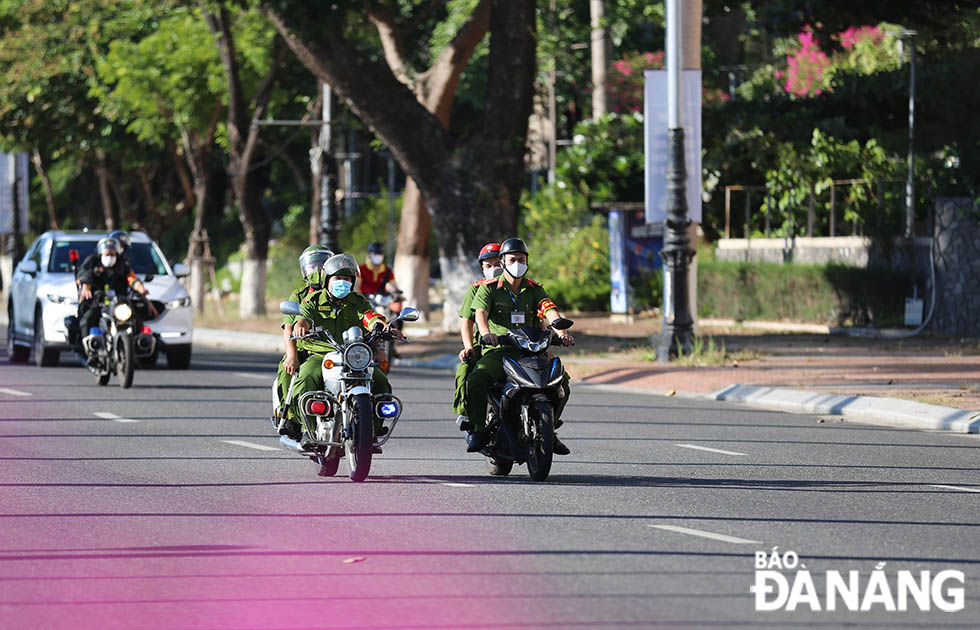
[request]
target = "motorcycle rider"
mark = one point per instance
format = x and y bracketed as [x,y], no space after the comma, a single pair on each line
[310,265]
[490,265]
[514,300]
[375,276]
[102,270]
[335,308]
[122,236]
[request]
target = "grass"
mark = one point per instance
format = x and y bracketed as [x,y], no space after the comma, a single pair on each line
[705,353]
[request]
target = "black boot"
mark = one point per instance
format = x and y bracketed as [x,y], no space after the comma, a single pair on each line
[291,430]
[559,447]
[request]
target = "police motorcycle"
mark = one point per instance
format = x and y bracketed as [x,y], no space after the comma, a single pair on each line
[389,305]
[343,412]
[120,339]
[522,407]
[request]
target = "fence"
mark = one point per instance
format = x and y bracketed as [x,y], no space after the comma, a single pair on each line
[856,226]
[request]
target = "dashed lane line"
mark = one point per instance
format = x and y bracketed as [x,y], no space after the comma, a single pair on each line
[451,484]
[14,392]
[265,377]
[710,450]
[961,488]
[258,447]
[105,415]
[703,534]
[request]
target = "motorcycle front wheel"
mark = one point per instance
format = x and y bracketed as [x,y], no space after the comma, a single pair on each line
[540,450]
[125,361]
[361,445]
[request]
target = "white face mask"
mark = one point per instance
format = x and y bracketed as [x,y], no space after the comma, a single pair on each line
[492,272]
[516,269]
[108,261]
[377,259]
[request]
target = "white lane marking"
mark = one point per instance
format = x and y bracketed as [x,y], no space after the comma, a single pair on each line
[704,534]
[14,392]
[258,447]
[451,484]
[105,415]
[955,488]
[264,377]
[710,450]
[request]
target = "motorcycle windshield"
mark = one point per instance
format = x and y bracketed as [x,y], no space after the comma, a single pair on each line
[531,338]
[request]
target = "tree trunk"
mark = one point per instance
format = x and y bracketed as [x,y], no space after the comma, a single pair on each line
[412,253]
[600,57]
[46,183]
[108,215]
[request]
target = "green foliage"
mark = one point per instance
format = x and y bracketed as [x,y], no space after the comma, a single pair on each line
[606,159]
[569,247]
[370,224]
[831,294]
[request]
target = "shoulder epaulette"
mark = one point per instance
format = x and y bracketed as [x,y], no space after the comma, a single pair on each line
[483,281]
[533,283]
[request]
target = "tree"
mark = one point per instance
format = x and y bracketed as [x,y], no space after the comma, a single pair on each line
[471,186]
[243,139]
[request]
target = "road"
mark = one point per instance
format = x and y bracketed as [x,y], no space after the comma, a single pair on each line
[170,505]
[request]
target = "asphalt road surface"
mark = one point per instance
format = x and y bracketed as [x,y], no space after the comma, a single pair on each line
[171,505]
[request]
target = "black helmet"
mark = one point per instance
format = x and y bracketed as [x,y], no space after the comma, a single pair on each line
[376,248]
[340,265]
[513,246]
[122,236]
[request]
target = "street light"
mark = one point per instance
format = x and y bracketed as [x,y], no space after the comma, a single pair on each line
[904,35]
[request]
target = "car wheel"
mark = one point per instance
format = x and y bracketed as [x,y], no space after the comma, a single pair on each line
[15,353]
[179,357]
[43,357]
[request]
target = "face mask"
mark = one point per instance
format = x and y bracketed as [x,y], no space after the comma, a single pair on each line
[341,288]
[377,259]
[492,272]
[108,261]
[516,270]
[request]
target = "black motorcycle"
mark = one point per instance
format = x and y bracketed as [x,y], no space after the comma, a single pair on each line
[522,409]
[122,338]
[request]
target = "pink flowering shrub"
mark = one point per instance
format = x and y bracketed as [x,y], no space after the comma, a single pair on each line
[808,70]
[865,49]
[625,82]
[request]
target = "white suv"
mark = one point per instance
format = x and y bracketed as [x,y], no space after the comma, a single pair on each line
[43,293]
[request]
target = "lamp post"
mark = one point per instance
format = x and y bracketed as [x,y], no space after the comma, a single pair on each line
[907,35]
[678,326]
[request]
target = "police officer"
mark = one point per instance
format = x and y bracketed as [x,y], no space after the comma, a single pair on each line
[311,267]
[335,308]
[489,259]
[511,302]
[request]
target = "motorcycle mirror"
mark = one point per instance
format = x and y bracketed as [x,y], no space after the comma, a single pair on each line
[409,314]
[289,308]
[148,277]
[561,323]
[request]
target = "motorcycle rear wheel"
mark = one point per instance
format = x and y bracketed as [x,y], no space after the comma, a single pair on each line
[540,452]
[361,446]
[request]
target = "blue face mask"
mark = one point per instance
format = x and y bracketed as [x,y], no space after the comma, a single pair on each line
[341,288]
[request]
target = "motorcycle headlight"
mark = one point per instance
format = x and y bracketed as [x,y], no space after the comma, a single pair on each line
[358,356]
[180,302]
[122,312]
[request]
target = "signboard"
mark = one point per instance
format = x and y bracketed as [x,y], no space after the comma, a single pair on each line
[13,174]
[634,251]
[618,274]
[655,142]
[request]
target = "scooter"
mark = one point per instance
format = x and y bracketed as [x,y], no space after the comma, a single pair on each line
[389,305]
[522,409]
[340,418]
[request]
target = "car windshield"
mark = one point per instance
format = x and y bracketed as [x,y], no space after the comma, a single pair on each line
[142,257]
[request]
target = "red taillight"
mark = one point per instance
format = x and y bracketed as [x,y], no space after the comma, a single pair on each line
[73,255]
[318,407]
[146,330]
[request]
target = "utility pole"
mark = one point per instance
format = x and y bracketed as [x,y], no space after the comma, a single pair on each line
[328,175]
[600,56]
[907,36]
[678,326]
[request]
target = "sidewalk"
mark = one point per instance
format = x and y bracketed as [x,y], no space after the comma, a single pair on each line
[920,382]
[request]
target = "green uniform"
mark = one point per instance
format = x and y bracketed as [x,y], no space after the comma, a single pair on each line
[507,311]
[463,369]
[282,378]
[335,316]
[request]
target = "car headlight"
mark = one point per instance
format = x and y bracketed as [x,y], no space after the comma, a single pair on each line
[180,302]
[60,299]
[122,312]
[358,356]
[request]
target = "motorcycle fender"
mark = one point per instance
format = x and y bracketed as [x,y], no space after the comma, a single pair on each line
[360,389]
